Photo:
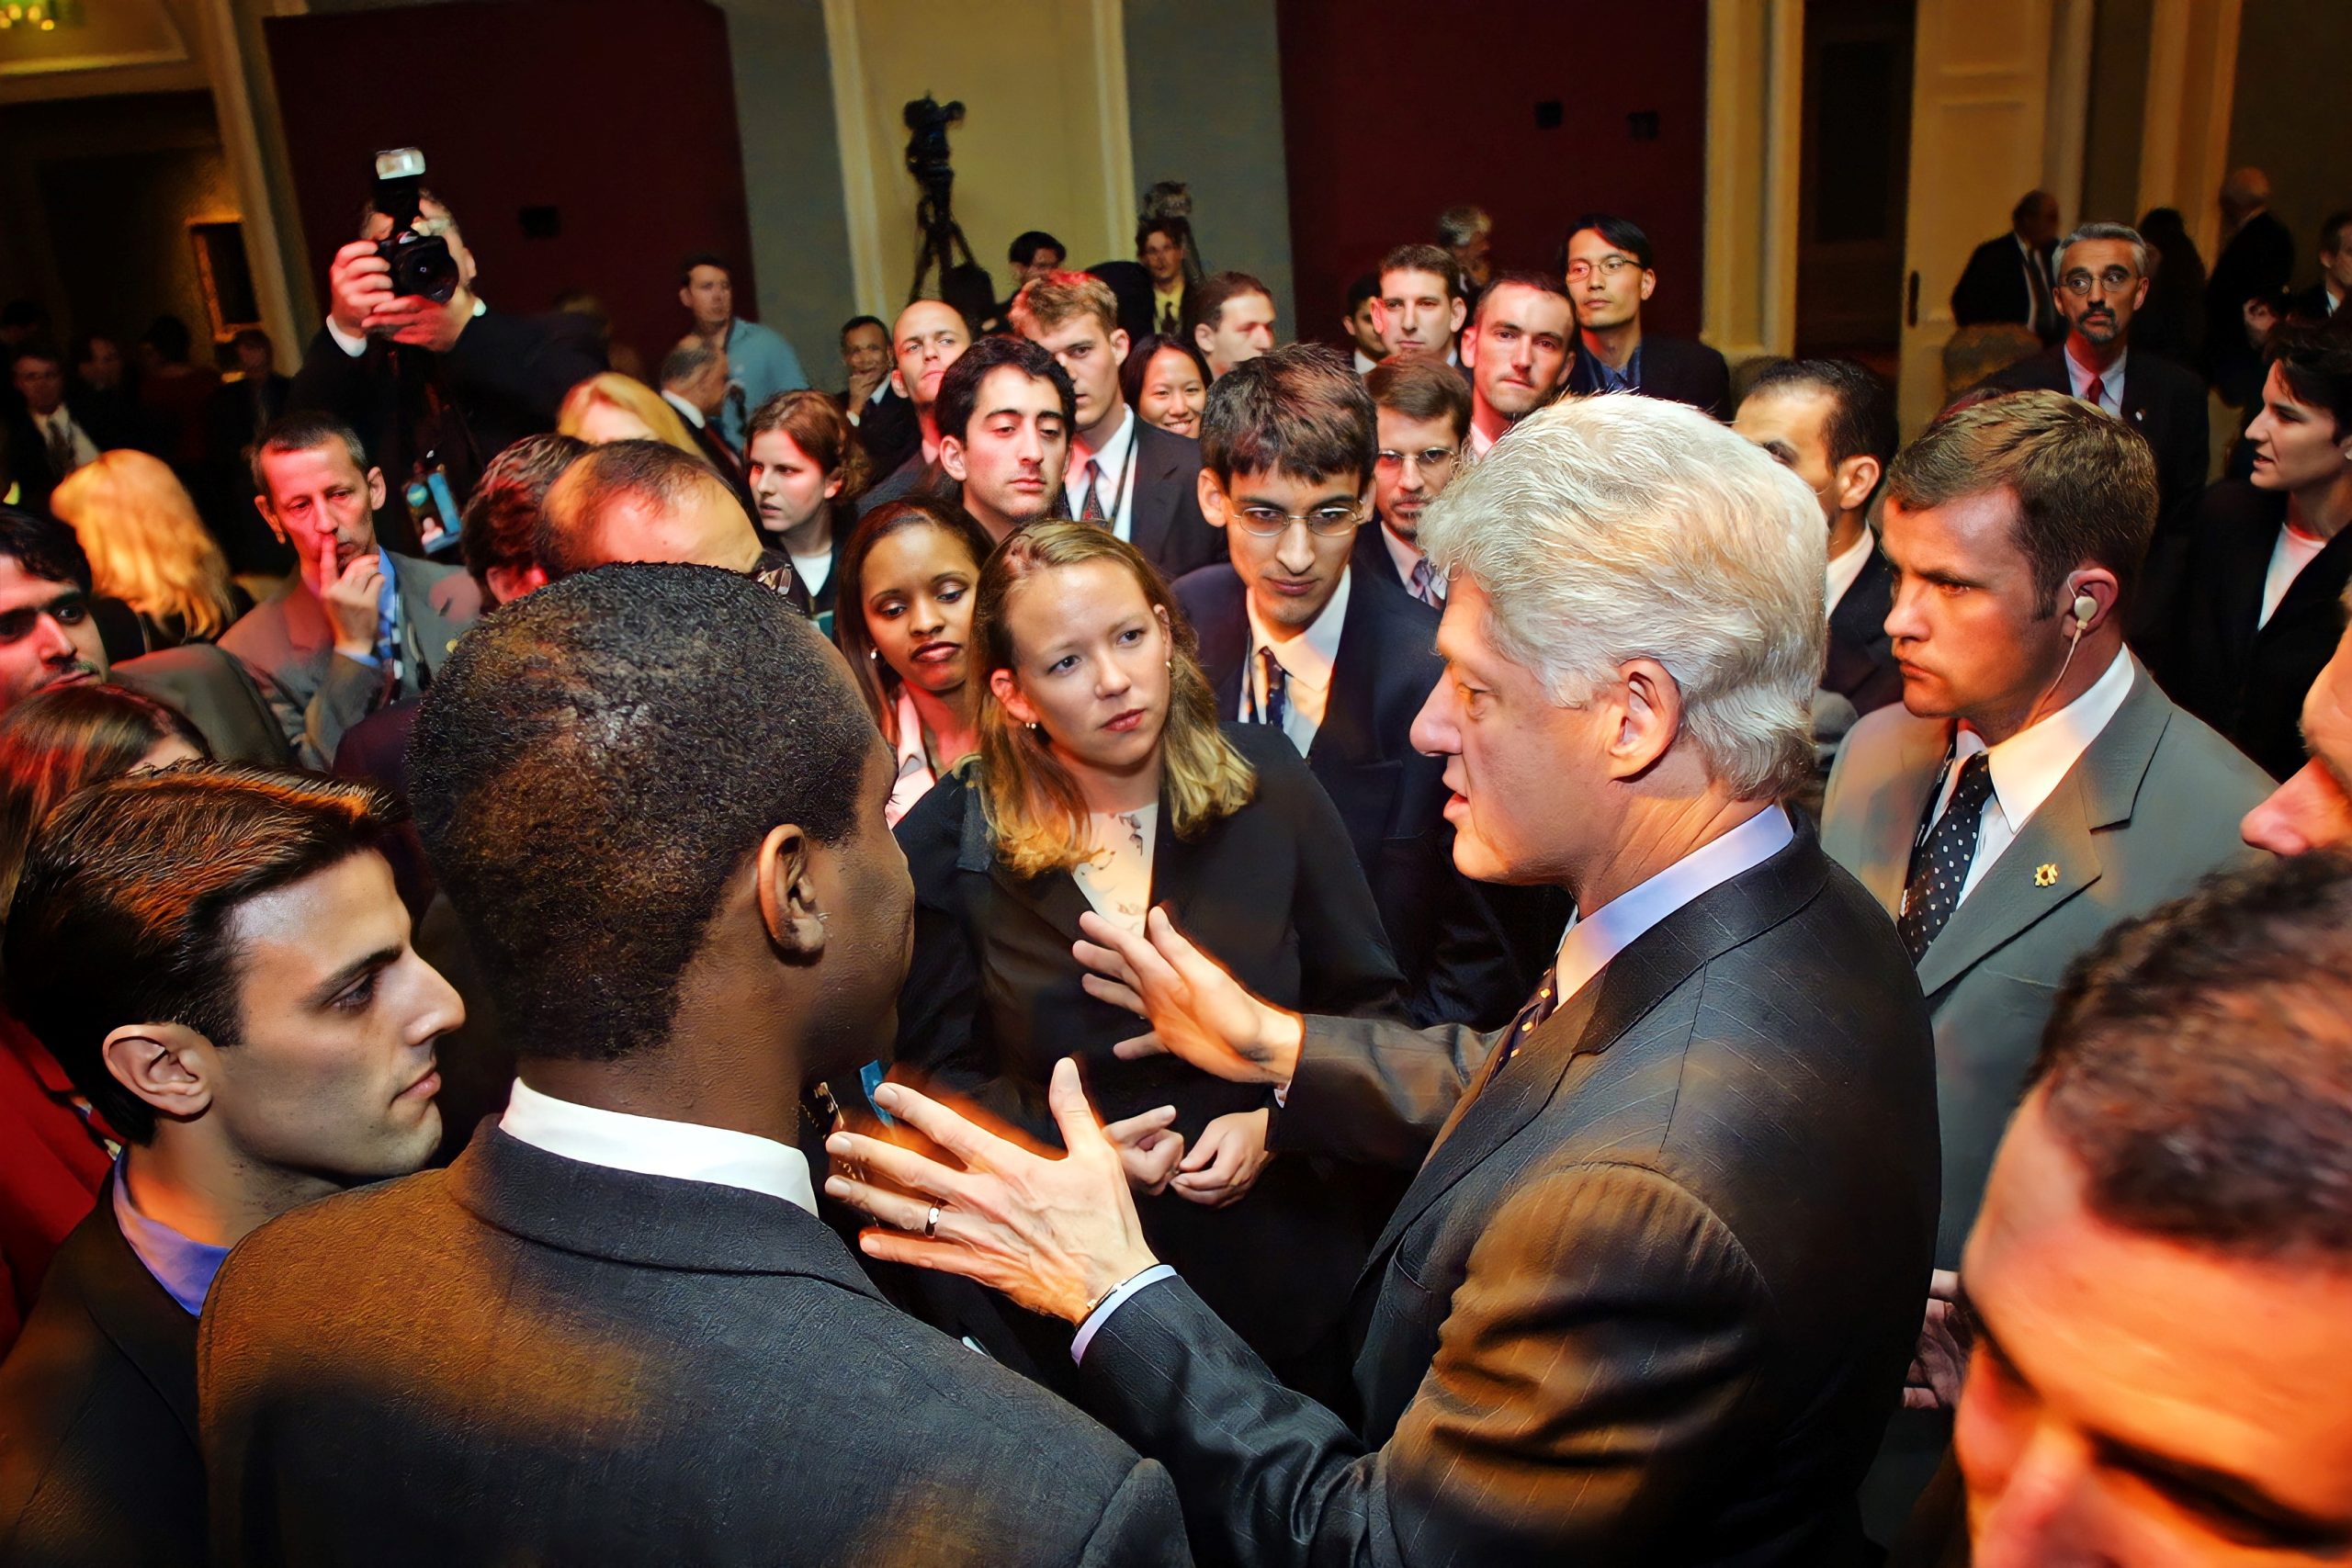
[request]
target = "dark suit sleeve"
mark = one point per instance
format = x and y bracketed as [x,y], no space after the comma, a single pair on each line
[1345,965]
[1588,1367]
[1969,304]
[1372,1090]
[332,381]
[531,361]
[1142,1525]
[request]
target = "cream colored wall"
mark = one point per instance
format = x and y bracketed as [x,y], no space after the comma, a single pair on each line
[1044,143]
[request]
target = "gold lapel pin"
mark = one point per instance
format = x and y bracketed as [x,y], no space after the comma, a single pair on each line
[2045,874]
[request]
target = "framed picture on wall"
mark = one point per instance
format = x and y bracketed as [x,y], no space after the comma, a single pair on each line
[222,273]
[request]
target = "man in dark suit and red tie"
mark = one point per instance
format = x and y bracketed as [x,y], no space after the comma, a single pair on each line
[1644,1301]
[2008,278]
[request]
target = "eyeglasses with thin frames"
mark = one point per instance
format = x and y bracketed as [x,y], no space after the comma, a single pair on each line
[1270,522]
[1433,461]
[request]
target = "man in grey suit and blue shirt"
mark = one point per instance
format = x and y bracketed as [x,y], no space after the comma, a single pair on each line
[2035,786]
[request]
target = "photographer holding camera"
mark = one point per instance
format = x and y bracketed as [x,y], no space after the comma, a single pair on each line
[435,381]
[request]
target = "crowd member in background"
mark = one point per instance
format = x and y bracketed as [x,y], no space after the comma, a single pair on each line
[1610,274]
[927,338]
[46,438]
[1005,411]
[760,363]
[244,406]
[1139,482]
[1232,320]
[2259,607]
[149,550]
[1517,353]
[218,960]
[1468,235]
[1034,253]
[429,385]
[1166,380]
[1362,323]
[694,383]
[1159,247]
[175,393]
[657,809]
[618,356]
[2312,811]
[2256,262]
[2172,318]
[1420,306]
[364,625]
[2008,277]
[54,1150]
[904,622]
[609,406]
[873,402]
[1423,414]
[807,471]
[968,287]
[1105,783]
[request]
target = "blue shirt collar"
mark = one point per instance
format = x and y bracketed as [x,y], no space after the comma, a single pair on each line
[184,1267]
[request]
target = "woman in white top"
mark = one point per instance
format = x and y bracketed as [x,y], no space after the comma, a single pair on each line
[904,622]
[806,470]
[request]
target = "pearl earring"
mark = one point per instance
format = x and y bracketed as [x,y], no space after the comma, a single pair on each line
[1032,724]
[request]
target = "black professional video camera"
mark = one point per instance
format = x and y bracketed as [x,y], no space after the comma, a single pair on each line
[421,264]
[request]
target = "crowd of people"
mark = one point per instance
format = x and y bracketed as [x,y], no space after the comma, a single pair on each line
[1125,943]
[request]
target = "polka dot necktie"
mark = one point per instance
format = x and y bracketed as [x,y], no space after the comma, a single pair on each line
[1531,1017]
[1275,709]
[1940,860]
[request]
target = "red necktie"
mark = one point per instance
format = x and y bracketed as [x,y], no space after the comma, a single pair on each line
[2096,393]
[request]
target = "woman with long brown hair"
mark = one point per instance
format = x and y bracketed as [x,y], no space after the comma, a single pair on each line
[1103,782]
[806,470]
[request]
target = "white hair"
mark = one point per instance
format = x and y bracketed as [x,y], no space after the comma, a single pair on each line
[1608,528]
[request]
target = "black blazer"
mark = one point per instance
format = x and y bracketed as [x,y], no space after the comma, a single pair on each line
[1681,371]
[992,1000]
[525,1358]
[1168,525]
[1993,288]
[2161,400]
[1650,1299]
[888,431]
[913,479]
[2246,682]
[98,1461]
[1465,959]
[2258,259]
[1860,667]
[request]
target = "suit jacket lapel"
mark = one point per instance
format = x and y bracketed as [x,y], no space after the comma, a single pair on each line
[1345,756]
[1053,897]
[1899,809]
[1154,509]
[138,1316]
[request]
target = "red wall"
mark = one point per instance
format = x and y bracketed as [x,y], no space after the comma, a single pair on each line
[1394,110]
[620,113]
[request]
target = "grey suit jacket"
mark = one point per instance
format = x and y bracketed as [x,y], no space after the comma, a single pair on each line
[525,1359]
[2149,809]
[316,693]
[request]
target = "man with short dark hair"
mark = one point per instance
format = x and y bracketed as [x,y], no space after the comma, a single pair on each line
[363,626]
[884,418]
[1159,247]
[1006,409]
[218,960]
[655,800]
[1831,422]
[1517,353]
[2008,277]
[45,440]
[2160,1277]
[1419,307]
[1034,253]
[2324,298]
[930,335]
[760,363]
[1609,273]
[695,382]
[1137,479]
[1424,413]
[1233,319]
[1362,323]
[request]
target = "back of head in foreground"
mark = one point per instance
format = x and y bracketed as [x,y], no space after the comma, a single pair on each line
[2163,1262]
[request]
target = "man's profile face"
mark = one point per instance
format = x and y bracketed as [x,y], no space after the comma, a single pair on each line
[323,505]
[47,637]
[2117,288]
[1415,312]
[332,1071]
[1162,257]
[1971,633]
[862,885]
[41,381]
[1608,282]
[1010,461]
[2135,1402]
[1364,329]
[1792,426]
[1091,356]
[2312,811]
[931,336]
[1518,351]
[2336,261]
[1289,576]
[709,294]
[1243,330]
[865,349]
[1417,458]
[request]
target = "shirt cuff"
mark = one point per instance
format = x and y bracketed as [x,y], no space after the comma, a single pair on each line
[1112,1302]
[369,659]
[354,347]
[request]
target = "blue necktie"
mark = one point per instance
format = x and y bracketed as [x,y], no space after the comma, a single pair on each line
[1276,708]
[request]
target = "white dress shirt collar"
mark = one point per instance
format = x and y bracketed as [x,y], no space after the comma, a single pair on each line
[1845,570]
[1593,939]
[2028,766]
[686,410]
[683,1151]
[1366,362]
[1116,460]
[1407,557]
[2111,380]
[1306,661]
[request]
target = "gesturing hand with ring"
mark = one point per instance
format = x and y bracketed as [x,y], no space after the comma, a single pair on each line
[931,1222]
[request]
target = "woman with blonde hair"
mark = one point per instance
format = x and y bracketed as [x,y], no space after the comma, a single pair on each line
[1104,783]
[149,547]
[609,407]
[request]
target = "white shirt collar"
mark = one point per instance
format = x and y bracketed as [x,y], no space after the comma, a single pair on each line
[1366,362]
[2028,766]
[693,415]
[1309,656]
[1112,455]
[1845,570]
[683,1151]
[1407,557]
[2078,377]
[1480,442]
[1593,939]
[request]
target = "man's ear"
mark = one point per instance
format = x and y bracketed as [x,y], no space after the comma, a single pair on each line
[172,1068]
[1213,511]
[269,516]
[1118,345]
[1649,716]
[788,902]
[1466,349]
[1204,337]
[951,458]
[377,489]
[1855,478]
[1461,314]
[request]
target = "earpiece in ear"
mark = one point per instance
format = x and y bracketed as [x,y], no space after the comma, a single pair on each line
[2084,608]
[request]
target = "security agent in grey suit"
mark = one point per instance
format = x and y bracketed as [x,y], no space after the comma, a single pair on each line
[1646,1301]
[362,626]
[614,1331]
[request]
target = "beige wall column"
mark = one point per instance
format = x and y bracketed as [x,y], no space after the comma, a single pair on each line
[1754,123]
[244,101]
[2185,134]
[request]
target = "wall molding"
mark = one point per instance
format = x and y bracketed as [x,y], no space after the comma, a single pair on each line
[1755,134]
[2185,122]
[864,218]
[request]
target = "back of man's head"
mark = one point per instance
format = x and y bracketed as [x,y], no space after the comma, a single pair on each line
[2084,482]
[959,389]
[1299,409]
[1420,387]
[1221,288]
[43,547]
[503,515]
[125,912]
[651,477]
[595,765]
[1048,303]
[1423,258]
[1862,420]
[1606,529]
[687,362]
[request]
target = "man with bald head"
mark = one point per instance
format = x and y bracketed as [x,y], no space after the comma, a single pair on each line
[930,335]
[645,501]
[2257,258]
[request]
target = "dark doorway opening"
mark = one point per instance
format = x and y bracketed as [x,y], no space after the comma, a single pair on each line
[1852,192]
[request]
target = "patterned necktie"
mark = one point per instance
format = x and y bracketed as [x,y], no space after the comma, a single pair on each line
[2043,308]
[61,445]
[1424,586]
[1091,510]
[1530,1018]
[1276,708]
[1940,860]
[2096,393]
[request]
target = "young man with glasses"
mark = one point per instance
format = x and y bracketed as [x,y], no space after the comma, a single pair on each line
[1610,275]
[1288,445]
[1424,411]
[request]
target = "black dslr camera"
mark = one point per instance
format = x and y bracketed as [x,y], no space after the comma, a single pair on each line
[421,264]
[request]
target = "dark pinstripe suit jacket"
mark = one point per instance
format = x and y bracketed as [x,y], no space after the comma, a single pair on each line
[1651,1297]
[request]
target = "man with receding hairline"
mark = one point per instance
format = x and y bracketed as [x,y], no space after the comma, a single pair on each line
[929,336]
[645,501]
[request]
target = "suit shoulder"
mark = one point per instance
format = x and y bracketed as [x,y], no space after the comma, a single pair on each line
[302,1242]
[259,632]
[1885,728]
[1209,589]
[2192,763]
[1167,449]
